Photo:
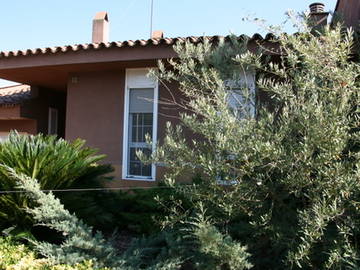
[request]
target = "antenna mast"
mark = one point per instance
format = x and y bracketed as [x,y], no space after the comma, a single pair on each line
[151,16]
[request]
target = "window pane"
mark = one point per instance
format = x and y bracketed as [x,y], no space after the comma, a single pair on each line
[148,119]
[53,121]
[147,130]
[133,156]
[135,168]
[146,170]
[141,100]
[140,124]
[146,151]
[137,134]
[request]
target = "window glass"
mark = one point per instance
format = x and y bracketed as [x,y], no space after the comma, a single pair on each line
[53,121]
[140,125]
[241,95]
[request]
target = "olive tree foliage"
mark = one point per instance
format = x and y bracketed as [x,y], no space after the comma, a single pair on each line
[290,181]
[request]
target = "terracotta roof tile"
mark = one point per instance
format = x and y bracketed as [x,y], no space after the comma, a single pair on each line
[13,95]
[127,43]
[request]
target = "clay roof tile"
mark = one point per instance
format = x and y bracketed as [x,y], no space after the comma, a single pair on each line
[13,95]
[118,44]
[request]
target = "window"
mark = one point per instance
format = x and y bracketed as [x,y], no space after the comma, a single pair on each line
[241,95]
[140,121]
[53,121]
[241,100]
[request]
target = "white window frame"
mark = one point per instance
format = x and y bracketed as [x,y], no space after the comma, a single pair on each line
[136,78]
[51,109]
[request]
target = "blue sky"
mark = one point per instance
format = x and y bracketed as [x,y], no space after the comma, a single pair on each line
[41,23]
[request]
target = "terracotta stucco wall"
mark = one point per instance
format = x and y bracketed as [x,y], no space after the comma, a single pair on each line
[9,112]
[349,11]
[38,108]
[95,109]
[95,113]
[27,126]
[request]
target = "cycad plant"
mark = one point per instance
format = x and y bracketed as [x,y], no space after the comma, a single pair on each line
[56,163]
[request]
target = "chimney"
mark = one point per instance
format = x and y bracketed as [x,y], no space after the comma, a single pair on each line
[157,34]
[100,31]
[318,17]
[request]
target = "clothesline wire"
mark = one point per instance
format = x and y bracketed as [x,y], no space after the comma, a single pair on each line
[4,192]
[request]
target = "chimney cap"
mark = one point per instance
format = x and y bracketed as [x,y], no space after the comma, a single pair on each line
[317,7]
[102,15]
[157,34]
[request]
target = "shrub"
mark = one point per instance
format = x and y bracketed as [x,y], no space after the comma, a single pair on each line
[161,251]
[134,211]
[292,168]
[16,256]
[138,211]
[56,163]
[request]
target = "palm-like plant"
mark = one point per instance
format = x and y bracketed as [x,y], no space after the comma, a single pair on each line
[56,163]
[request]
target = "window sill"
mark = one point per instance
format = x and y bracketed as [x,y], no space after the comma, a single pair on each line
[139,179]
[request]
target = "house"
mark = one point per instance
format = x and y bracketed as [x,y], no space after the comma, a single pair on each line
[29,110]
[98,92]
[348,11]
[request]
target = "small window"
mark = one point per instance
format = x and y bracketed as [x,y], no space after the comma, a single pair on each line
[241,95]
[53,121]
[140,118]
[140,126]
[241,98]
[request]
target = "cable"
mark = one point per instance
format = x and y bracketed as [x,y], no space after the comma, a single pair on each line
[3,192]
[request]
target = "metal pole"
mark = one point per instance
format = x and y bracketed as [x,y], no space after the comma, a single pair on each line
[151,17]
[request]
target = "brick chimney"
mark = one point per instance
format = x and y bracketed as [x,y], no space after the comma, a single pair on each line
[100,30]
[318,17]
[157,34]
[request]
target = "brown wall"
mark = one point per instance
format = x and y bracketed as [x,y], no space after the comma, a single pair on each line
[9,112]
[349,12]
[95,110]
[38,108]
[95,106]
[28,126]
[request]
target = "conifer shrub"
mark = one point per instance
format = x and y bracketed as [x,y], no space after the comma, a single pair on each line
[135,212]
[139,212]
[16,256]
[166,250]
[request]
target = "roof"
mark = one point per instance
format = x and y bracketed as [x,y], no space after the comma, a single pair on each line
[51,67]
[14,95]
[127,43]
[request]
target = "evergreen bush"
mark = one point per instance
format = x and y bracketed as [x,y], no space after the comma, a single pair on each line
[279,175]
[16,256]
[163,251]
